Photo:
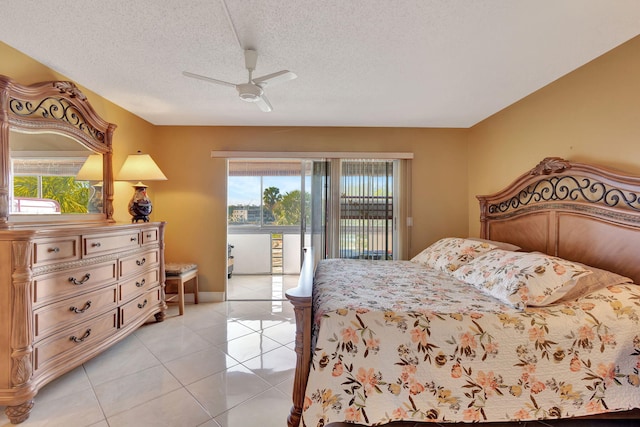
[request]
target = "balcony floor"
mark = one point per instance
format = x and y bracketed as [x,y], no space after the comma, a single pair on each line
[260,287]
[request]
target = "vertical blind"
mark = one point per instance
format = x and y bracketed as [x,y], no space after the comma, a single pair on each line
[366,209]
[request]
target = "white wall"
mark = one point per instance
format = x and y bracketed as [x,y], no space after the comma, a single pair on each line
[251,253]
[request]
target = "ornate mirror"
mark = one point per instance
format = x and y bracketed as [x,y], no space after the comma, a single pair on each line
[55,155]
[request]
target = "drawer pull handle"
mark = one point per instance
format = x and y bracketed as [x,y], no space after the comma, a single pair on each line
[143,304]
[140,283]
[81,281]
[149,235]
[134,239]
[96,244]
[54,249]
[82,338]
[141,262]
[81,310]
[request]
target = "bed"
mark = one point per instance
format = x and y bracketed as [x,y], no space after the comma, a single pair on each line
[474,331]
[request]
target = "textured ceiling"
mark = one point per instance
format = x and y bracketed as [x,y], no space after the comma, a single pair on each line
[401,63]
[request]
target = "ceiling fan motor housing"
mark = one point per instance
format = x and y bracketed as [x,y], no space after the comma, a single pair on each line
[249,92]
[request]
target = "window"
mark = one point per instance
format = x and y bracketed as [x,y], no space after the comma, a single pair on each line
[366,209]
[48,186]
[265,193]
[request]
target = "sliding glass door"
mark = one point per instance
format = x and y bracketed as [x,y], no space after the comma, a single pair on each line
[366,209]
[363,207]
[314,232]
[342,208]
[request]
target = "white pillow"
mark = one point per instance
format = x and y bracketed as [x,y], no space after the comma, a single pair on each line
[450,253]
[521,279]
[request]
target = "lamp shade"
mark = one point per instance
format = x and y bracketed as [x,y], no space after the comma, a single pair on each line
[91,170]
[140,167]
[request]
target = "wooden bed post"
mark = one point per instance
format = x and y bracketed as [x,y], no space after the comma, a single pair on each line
[300,297]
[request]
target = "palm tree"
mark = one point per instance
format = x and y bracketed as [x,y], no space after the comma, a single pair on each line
[72,195]
[25,186]
[287,211]
[270,198]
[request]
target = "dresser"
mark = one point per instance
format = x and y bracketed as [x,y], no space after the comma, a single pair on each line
[69,292]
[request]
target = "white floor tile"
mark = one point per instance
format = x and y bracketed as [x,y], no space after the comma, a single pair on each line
[274,366]
[177,408]
[287,386]
[70,383]
[132,390]
[222,333]
[175,343]
[248,346]
[210,423]
[262,321]
[183,372]
[268,409]
[220,392]
[255,287]
[80,409]
[284,333]
[128,356]
[196,366]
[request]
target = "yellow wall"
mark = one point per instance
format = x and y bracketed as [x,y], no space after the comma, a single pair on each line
[591,115]
[132,133]
[193,200]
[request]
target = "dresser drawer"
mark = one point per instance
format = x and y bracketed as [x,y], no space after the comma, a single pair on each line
[142,306]
[60,249]
[131,288]
[56,286]
[136,264]
[76,339]
[107,243]
[150,235]
[63,314]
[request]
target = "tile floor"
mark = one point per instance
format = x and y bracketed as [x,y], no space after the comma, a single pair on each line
[225,364]
[254,287]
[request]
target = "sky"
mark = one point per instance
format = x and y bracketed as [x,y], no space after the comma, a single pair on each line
[245,190]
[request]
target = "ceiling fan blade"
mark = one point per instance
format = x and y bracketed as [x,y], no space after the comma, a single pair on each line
[263,103]
[207,79]
[275,78]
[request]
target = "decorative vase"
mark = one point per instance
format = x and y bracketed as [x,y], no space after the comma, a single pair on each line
[140,205]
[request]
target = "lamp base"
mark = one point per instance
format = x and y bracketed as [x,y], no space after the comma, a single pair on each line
[137,218]
[140,205]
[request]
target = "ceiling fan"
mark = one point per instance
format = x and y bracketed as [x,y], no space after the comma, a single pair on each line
[253,90]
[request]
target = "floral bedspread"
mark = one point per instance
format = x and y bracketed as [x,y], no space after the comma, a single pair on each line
[397,341]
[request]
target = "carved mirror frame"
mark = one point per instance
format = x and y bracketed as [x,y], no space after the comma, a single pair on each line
[59,107]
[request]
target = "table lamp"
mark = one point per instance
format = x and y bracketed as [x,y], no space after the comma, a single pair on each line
[139,167]
[91,171]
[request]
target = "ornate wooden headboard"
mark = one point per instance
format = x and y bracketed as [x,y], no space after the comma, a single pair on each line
[575,211]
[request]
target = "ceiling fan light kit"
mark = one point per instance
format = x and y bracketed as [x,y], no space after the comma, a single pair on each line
[249,92]
[253,90]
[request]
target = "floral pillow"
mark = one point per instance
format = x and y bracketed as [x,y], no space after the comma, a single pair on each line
[450,253]
[521,279]
[600,279]
[500,245]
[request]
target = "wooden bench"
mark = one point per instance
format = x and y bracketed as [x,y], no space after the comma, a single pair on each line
[179,274]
